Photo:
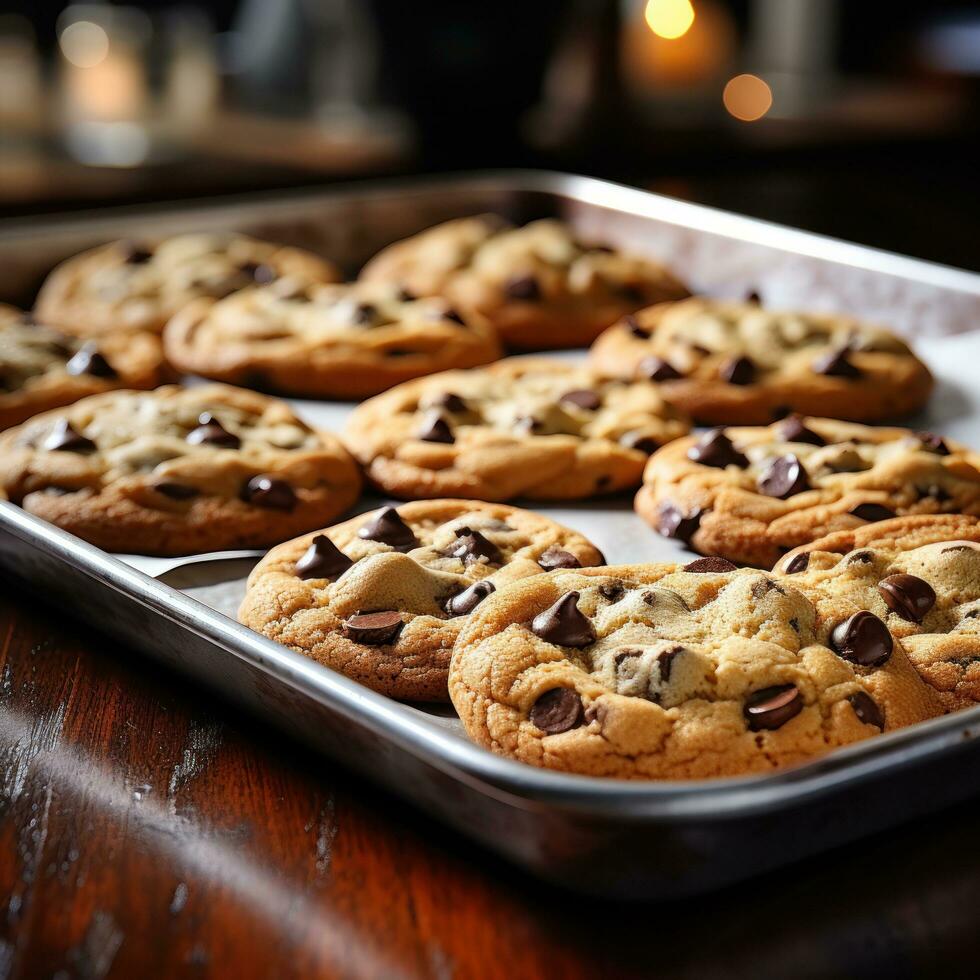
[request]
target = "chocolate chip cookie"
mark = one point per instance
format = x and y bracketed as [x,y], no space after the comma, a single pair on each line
[140,285]
[671,672]
[177,470]
[41,369]
[752,494]
[737,363]
[927,596]
[382,598]
[523,427]
[538,285]
[343,341]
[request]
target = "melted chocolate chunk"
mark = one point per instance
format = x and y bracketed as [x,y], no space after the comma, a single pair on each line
[64,437]
[772,707]
[555,557]
[469,599]
[867,710]
[637,440]
[454,315]
[907,596]
[798,563]
[738,371]
[89,360]
[261,273]
[470,546]
[387,527]
[793,429]
[323,559]
[673,523]
[657,369]
[210,432]
[556,711]
[714,448]
[177,491]
[365,314]
[783,478]
[374,629]
[269,492]
[872,512]
[563,624]
[863,639]
[524,288]
[835,364]
[450,401]
[134,253]
[933,443]
[711,564]
[435,428]
[633,326]
[582,398]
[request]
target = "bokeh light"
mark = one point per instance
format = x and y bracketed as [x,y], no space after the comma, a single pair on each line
[747,97]
[84,44]
[669,19]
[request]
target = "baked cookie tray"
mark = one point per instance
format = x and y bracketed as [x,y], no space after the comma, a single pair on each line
[604,837]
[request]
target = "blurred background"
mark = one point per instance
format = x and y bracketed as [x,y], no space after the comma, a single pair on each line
[856,119]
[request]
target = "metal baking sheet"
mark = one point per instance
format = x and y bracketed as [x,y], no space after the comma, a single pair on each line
[605,837]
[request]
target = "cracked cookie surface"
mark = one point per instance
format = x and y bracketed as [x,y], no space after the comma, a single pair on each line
[538,285]
[426,566]
[177,470]
[672,672]
[928,596]
[753,494]
[336,341]
[41,369]
[129,285]
[521,427]
[739,364]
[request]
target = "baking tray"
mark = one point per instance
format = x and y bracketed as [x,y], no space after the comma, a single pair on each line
[604,837]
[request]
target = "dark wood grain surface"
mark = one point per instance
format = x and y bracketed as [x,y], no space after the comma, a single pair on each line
[147,830]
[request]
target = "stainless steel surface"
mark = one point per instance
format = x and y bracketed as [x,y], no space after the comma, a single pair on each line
[601,836]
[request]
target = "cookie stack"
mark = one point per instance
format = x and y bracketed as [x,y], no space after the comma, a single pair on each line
[868,621]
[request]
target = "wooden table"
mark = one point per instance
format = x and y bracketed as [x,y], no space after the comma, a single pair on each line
[149,831]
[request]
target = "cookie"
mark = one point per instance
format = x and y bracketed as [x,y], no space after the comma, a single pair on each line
[538,285]
[927,596]
[752,494]
[344,341]
[178,470]
[41,369]
[521,427]
[897,534]
[730,363]
[140,285]
[671,672]
[382,598]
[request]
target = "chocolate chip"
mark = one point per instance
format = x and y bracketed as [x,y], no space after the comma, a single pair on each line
[556,711]
[934,491]
[323,559]
[454,315]
[469,599]
[872,512]
[211,432]
[859,558]
[387,527]
[738,371]
[657,369]
[374,629]
[666,660]
[365,313]
[637,440]
[714,448]
[471,546]
[583,398]
[867,710]
[176,491]
[90,360]
[792,429]
[435,428]
[526,424]
[673,523]
[406,295]
[772,707]
[563,624]
[260,272]
[65,438]
[449,401]
[134,253]
[753,297]
[863,639]
[555,557]
[933,443]
[784,477]
[269,492]
[907,596]
[612,591]
[798,563]
[835,364]
[633,326]
[763,586]
[524,288]
[712,564]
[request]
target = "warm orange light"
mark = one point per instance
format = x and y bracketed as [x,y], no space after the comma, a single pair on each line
[747,97]
[669,19]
